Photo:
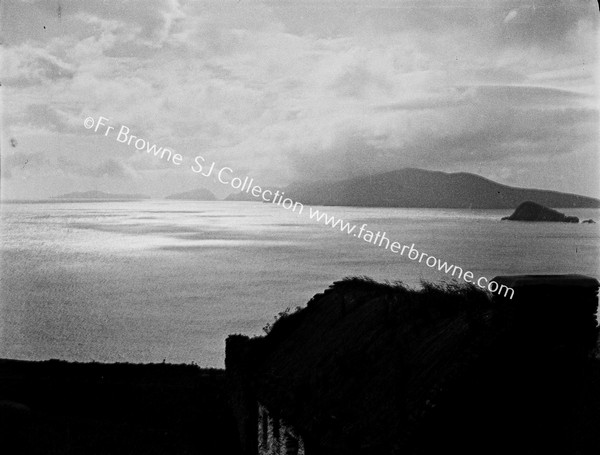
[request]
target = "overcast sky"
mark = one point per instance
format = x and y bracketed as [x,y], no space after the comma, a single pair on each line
[299,90]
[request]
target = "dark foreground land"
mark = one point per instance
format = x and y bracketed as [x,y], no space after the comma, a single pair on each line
[365,368]
[58,407]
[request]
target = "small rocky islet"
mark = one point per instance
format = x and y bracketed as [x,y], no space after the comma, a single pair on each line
[532,211]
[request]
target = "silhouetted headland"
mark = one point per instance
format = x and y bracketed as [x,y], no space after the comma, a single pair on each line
[369,368]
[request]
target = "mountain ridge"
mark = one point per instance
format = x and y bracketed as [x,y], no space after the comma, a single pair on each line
[420,188]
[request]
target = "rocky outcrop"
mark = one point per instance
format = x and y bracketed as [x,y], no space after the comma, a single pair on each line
[532,211]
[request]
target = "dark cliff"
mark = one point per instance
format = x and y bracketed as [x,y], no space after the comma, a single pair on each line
[368,368]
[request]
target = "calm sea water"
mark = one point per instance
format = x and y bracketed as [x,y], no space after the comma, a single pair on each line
[153,280]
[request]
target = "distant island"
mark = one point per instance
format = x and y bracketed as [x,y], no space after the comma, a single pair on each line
[242,197]
[419,188]
[200,194]
[530,211]
[100,195]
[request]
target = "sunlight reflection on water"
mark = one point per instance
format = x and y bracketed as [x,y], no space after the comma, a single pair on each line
[153,280]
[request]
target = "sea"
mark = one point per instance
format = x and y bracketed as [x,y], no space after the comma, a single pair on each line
[163,280]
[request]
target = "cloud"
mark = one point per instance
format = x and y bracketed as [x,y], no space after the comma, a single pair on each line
[511,15]
[527,95]
[478,125]
[42,115]
[109,168]
[21,160]
[28,65]
[112,169]
[153,18]
[290,91]
[547,24]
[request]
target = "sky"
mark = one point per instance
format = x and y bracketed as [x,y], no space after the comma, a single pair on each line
[289,91]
